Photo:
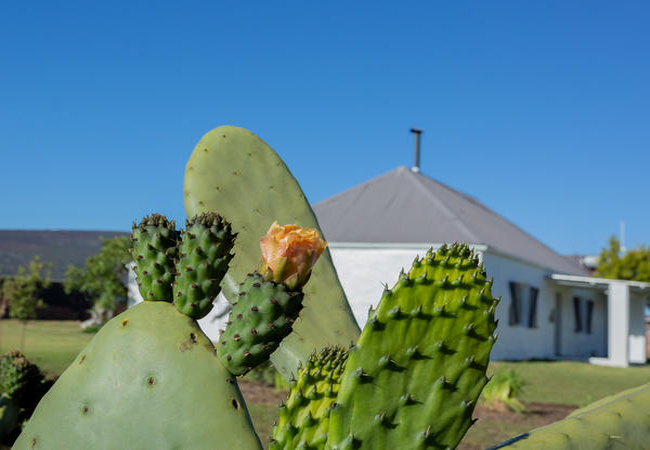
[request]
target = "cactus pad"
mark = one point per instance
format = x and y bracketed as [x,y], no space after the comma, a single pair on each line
[304,419]
[203,261]
[414,376]
[618,421]
[230,164]
[149,379]
[262,316]
[154,250]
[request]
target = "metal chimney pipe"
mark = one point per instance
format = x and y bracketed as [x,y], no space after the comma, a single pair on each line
[418,134]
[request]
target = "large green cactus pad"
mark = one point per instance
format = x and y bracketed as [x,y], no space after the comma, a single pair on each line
[149,379]
[304,418]
[234,172]
[414,377]
[619,421]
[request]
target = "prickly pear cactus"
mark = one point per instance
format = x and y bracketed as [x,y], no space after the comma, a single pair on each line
[414,376]
[304,419]
[149,379]
[262,316]
[204,254]
[154,250]
[21,387]
[19,378]
[619,421]
[230,164]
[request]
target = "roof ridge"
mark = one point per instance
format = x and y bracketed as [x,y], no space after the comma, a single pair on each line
[442,204]
[358,186]
[491,211]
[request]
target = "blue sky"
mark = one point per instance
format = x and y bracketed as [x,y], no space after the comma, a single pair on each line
[541,110]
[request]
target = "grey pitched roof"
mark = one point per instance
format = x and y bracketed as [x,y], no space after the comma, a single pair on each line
[403,206]
[61,248]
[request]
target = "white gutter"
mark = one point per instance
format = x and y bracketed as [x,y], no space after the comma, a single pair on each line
[593,281]
[398,245]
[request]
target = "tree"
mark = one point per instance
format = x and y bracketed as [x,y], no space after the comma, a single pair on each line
[103,279]
[22,293]
[633,265]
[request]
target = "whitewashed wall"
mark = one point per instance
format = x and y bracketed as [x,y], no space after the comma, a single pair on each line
[519,341]
[581,344]
[637,343]
[363,272]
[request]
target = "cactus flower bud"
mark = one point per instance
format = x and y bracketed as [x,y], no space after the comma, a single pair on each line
[288,254]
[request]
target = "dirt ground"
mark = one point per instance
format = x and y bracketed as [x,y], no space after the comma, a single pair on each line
[539,414]
[255,392]
[510,424]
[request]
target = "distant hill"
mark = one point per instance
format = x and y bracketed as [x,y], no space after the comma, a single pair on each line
[61,248]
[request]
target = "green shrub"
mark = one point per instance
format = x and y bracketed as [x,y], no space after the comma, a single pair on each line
[502,391]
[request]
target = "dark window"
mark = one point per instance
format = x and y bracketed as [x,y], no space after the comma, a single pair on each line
[576,315]
[590,313]
[532,310]
[513,313]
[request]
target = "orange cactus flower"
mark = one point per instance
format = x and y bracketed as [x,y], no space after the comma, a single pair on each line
[288,254]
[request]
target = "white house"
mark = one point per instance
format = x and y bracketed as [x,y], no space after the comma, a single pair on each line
[551,308]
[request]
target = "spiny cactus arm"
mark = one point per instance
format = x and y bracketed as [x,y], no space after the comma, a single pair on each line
[204,255]
[236,173]
[304,418]
[413,378]
[269,302]
[154,249]
[618,421]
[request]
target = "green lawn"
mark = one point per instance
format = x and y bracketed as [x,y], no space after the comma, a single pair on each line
[572,383]
[51,344]
[557,382]
[54,344]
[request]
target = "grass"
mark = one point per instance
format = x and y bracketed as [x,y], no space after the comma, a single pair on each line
[572,383]
[51,344]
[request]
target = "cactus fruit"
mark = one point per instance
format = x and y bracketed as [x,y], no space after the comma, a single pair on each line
[414,377]
[154,251]
[148,379]
[230,163]
[258,321]
[269,302]
[304,419]
[618,421]
[204,254]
